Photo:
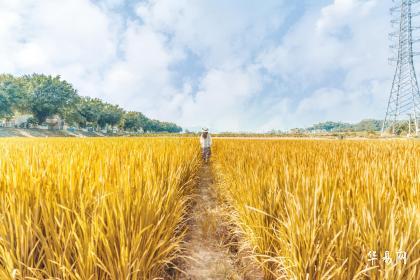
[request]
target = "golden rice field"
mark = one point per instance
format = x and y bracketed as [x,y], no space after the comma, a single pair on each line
[93,208]
[117,208]
[308,209]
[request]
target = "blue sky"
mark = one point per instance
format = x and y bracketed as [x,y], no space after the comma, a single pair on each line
[239,65]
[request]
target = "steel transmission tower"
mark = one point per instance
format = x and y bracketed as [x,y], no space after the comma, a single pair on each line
[404,100]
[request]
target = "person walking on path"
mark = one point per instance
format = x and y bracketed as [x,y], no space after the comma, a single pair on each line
[205,141]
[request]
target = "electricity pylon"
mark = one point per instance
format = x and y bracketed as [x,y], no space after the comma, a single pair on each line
[405,96]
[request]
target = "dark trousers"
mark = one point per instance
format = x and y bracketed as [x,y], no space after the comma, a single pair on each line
[206,153]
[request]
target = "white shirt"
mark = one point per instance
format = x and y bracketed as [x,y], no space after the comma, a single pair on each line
[205,142]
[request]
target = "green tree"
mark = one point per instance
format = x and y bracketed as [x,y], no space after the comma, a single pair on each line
[158,126]
[368,125]
[13,96]
[401,128]
[331,126]
[5,106]
[44,96]
[86,112]
[90,109]
[132,121]
[50,96]
[110,115]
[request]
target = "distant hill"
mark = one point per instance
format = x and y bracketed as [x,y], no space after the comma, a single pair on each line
[364,125]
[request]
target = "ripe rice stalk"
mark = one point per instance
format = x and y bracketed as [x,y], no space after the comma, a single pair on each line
[315,209]
[93,208]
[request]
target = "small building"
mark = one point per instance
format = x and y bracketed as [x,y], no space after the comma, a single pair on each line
[297,131]
[55,123]
[18,121]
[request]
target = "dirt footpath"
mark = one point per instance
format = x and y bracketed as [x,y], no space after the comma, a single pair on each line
[207,257]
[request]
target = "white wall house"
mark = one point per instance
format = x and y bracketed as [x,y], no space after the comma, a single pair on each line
[16,121]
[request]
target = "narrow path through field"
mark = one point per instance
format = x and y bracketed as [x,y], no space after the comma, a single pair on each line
[207,258]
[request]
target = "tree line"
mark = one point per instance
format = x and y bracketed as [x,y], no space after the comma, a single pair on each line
[368,125]
[365,125]
[45,96]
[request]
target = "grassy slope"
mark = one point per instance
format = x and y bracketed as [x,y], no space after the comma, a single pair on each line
[33,132]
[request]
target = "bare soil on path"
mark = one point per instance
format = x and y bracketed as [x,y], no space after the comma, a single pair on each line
[207,255]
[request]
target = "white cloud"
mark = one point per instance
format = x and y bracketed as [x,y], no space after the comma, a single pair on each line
[72,38]
[63,32]
[342,12]
[333,38]
[221,101]
[224,37]
[221,33]
[142,77]
[223,64]
[337,57]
